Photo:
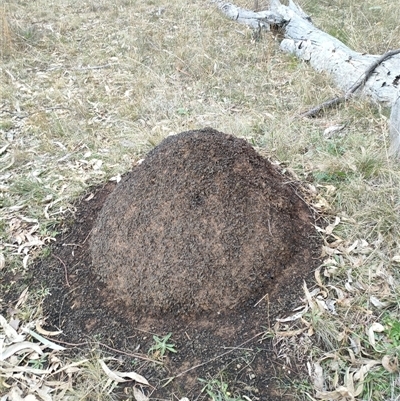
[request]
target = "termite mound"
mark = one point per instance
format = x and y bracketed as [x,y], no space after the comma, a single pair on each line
[203,224]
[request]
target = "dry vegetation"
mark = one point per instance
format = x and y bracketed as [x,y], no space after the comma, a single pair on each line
[88,87]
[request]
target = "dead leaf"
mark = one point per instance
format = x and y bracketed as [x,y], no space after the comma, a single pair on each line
[309,299]
[96,164]
[322,203]
[390,363]
[10,371]
[16,394]
[46,332]
[90,197]
[318,377]
[341,393]
[139,396]
[375,327]
[2,260]
[72,367]
[35,241]
[4,148]
[290,333]
[110,373]
[352,247]
[377,303]
[329,229]
[296,316]
[21,346]
[22,298]
[45,341]
[25,261]
[117,178]
[11,334]
[328,132]
[327,250]
[120,377]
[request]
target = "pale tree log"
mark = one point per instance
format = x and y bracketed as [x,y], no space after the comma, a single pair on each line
[328,54]
[395,129]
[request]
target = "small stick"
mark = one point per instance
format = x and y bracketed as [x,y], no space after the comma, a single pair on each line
[357,85]
[219,356]
[138,356]
[260,300]
[87,236]
[65,343]
[94,67]
[65,270]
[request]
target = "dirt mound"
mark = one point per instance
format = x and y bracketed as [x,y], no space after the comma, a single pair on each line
[204,223]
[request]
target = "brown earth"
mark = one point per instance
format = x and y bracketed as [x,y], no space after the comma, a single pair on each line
[206,240]
[203,224]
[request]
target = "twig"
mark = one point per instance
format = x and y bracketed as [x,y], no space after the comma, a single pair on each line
[266,295]
[87,236]
[65,270]
[218,356]
[65,343]
[138,356]
[94,67]
[357,85]
[323,106]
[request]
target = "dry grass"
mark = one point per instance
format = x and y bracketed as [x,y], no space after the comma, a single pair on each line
[88,88]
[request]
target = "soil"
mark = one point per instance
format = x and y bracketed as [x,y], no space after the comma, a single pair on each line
[206,240]
[204,224]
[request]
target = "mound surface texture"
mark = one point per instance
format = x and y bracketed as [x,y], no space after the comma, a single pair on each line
[204,223]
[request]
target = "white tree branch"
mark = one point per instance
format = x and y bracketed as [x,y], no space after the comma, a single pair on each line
[395,128]
[256,20]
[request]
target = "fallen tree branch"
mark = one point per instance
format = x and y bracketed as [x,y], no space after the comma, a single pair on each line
[256,20]
[395,129]
[359,84]
[323,51]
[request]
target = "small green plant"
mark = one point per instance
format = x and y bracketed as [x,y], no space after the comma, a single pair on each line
[45,252]
[38,363]
[393,330]
[330,177]
[6,125]
[162,346]
[335,149]
[217,390]
[183,111]
[43,292]
[369,165]
[379,385]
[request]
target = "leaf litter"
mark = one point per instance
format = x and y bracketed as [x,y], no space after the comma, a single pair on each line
[31,369]
[341,374]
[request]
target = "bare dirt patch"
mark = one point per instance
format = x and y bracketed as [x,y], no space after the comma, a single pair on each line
[188,243]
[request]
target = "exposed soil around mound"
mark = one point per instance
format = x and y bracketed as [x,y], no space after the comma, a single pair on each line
[206,240]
